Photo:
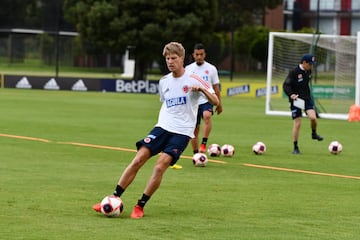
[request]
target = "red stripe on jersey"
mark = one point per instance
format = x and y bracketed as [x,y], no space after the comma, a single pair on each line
[202,81]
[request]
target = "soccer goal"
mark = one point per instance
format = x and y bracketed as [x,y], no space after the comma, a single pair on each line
[335,76]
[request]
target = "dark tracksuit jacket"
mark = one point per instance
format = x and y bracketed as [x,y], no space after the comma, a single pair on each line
[297,82]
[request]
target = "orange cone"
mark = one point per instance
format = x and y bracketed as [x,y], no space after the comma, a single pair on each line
[354,113]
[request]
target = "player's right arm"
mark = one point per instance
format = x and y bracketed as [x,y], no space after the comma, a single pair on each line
[288,86]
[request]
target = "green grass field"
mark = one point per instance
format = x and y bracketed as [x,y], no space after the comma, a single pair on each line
[48,185]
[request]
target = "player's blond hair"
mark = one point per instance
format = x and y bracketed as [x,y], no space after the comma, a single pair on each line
[174,48]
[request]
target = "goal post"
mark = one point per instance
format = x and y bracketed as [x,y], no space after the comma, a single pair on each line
[335,76]
[357,90]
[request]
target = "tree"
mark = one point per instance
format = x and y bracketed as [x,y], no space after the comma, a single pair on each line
[113,25]
[252,43]
[259,47]
[238,17]
[238,13]
[32,14]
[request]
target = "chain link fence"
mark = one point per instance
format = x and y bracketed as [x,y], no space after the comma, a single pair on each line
[22,48]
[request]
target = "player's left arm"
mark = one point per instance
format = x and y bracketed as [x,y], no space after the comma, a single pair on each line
[210,95]
[218,108]
[205,88]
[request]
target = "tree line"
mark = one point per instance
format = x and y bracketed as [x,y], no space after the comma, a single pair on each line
[112,26]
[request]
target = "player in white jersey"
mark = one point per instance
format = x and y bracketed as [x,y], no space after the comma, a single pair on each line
[209,73]
[179,91]
[180,100]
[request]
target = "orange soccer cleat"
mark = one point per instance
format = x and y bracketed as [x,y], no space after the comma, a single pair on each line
[138,212]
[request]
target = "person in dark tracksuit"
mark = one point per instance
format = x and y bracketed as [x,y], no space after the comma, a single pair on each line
[296,85]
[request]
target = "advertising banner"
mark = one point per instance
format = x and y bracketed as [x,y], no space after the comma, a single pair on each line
[130,86]
[50,83]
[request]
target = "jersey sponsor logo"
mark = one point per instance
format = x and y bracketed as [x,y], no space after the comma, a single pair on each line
[175,101]
[300,77]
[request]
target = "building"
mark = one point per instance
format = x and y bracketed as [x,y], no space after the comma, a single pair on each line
[338,17]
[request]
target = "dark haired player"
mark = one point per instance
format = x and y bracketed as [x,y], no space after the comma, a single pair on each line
[209,73]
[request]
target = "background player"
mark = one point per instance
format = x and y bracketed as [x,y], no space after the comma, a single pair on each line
[209,73]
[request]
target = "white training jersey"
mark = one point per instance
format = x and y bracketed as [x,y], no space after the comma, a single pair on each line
[180,104]
[206,71]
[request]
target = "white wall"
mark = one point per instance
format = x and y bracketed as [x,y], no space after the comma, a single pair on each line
[329,21]
[327,25]
[355,26]
[355,5]
[325,5]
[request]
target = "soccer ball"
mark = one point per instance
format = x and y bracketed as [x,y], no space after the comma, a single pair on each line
[227,150]
[200,160]
[259,148]
[335,147]
[214,150]
[112,206]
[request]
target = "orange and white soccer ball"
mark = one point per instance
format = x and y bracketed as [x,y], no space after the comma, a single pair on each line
[335,147]
[112,206]
[227,150]
[259,148]
[200,160]
[214,150]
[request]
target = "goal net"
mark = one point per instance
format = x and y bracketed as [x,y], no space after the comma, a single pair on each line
[335,76]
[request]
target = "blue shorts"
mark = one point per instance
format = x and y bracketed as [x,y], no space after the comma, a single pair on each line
[160,140]
[202,108]
[297,112]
